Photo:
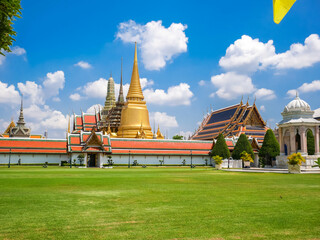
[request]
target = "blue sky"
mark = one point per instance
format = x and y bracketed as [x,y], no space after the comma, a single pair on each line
[191,55]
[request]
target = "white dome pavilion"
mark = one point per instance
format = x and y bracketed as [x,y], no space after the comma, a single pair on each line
[297,104]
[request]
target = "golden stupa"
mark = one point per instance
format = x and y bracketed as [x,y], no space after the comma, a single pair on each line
[135,115]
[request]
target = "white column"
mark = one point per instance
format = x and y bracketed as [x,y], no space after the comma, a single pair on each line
[303,139]
[292,140]
[316,140]
[281,141]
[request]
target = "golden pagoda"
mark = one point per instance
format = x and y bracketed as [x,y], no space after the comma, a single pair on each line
[159,134]
[134,114]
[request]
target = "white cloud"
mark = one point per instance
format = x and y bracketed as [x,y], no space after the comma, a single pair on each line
[32,91]
[96,89]
[232,85]
[158,44]
[37,94]
[56,99]
[185,134]
[247,55]
[262,108]
[53,83]
[176,95]
[305,88]
[300,56]
[212,95]
[18,51]
[163,120]
[292,93]
[3,124]
[41,118]
[75,97]
[145,83]
[94,108]
[8,94]
[202,83]
[83,65]
[99,88]
[266,94]
[310,87]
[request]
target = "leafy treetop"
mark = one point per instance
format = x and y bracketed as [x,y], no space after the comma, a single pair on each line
[9,10]
[177,137]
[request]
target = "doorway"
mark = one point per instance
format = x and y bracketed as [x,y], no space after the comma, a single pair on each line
[92,160]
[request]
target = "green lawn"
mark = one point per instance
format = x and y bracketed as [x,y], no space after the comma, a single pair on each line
[156,203]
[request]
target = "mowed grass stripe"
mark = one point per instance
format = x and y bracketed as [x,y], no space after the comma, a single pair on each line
[156,203]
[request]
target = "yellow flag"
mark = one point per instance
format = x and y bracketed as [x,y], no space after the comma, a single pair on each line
[280,9]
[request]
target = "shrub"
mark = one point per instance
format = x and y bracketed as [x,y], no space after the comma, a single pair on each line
[242,144]
[317,163]
[81,158]
[296,158]
[246,156]
[310,143]
[217,159]
[270,147]
[221,148]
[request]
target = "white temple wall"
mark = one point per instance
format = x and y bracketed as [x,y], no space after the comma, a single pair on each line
[155,160]
[33,158]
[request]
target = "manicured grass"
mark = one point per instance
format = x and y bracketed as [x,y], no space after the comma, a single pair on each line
[156,203]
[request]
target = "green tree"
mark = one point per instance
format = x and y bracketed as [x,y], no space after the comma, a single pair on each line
[9,10]
[177,137]
[310,143]
[242,144]
[220,148]
[270,146]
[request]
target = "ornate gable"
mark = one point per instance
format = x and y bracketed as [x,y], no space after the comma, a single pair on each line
[254,118]
[93,141]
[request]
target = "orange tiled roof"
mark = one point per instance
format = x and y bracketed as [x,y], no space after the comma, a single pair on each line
[27,145]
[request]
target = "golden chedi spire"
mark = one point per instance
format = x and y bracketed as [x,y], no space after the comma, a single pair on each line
[135,91]
[159,134]
[134,114]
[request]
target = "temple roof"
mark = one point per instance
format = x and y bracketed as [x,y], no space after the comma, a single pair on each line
[232,121]
[88,142]
[33,146]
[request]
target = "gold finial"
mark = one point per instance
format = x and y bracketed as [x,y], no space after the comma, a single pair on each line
[135,91]
[68,123]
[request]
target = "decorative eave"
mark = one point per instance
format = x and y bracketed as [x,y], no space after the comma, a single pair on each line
[93,140]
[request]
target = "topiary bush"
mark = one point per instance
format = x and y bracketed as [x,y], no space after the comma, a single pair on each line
[242,144]
[220,148]
[270,147]
[310,143]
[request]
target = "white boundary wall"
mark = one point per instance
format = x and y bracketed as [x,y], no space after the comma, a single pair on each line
[37,158]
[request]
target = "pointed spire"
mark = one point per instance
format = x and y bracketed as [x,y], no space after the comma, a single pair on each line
[68,123]
[21,118]
[121,98]
[297,94]
[135,91]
